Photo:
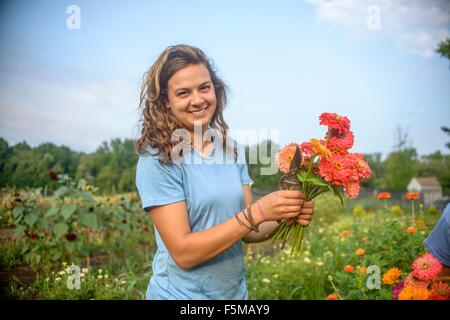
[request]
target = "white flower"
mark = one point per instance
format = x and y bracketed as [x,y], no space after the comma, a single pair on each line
[61,273]
[321,230]
[99,276]
[307,260]
[100,271]
[123,282]
[85,270]
[106,276]
[57,279]
[266,280]
[319,263]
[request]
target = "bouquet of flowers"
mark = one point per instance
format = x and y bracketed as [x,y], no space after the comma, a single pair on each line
[423,283]
[319,166]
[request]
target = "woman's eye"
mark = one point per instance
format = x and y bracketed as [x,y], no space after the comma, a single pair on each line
[205,88]
[182,93]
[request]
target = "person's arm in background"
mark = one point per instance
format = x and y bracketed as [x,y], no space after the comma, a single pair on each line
[438,241]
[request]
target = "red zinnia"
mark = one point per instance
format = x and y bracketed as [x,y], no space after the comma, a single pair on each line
[334,121]
[336,170]
[340,143]
[383,196]
[412,195]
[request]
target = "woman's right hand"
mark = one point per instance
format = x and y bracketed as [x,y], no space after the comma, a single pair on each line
[282,204]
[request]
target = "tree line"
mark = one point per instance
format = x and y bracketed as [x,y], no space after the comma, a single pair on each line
[112,166]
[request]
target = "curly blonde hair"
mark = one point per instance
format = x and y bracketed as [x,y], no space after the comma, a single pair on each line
[157,122]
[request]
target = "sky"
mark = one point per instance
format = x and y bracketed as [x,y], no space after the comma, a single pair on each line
[285,63]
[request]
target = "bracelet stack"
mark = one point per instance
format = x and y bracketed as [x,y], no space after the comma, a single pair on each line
[248,216]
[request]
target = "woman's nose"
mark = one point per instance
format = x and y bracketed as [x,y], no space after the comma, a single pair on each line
[197,99]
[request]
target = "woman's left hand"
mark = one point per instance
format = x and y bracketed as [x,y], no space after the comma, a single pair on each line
[306,213]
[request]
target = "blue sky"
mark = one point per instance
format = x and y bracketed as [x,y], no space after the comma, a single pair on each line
[285,63]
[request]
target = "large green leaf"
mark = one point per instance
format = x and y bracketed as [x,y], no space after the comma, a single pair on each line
[31,218]
[18,214]
[61,191]
[60,228]
[89,220]
[51,212]
[68,210]
[18,231]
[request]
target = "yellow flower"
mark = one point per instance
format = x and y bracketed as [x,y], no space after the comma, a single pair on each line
[392,276]
[320,149]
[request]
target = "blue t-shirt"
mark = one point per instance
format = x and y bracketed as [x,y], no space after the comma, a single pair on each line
[212,189]
[438,241]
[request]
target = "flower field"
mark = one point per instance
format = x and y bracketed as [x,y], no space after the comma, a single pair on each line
[109,242]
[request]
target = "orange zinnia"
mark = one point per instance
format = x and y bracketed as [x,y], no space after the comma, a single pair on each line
[392,276]
[320,148]
[344,233]
[411,229]
[360,251]
[333,296]
[362,270]
[412,195]
[413,293]
[285,156]
[383,195]
[348,268]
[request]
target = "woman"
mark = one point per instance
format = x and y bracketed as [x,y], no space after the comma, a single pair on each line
[198,208]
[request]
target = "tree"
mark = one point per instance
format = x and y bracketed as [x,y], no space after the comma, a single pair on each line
[444,48]
[447,131]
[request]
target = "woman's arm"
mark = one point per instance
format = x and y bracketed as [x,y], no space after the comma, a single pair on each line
[187,248]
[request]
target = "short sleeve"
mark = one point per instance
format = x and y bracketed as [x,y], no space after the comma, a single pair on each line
[243,167]
[158,184]
[438,241]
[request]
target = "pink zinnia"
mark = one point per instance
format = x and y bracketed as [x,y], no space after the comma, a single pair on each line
[334,121]
[396,290]
[285,156]
[360,168]
[336,170]
[340,143]
[440,289]
[306,148]
[426,267]
[351,190]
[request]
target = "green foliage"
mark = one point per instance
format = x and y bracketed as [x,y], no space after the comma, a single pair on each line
[400,167]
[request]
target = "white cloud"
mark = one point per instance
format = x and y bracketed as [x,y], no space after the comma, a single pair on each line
[415,26]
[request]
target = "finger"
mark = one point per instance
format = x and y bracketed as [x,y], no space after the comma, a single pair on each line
[307,211]
[304,217]
[292,209]
[292,194]
[303,222]
[293,202]
[308,204]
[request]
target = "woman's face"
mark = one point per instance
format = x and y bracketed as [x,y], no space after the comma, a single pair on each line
[191,96]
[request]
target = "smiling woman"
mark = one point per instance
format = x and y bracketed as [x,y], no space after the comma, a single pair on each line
[198,209]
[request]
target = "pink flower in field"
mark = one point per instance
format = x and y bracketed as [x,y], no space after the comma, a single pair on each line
[306,148]
[412,281]
[397,289]
[426,267]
